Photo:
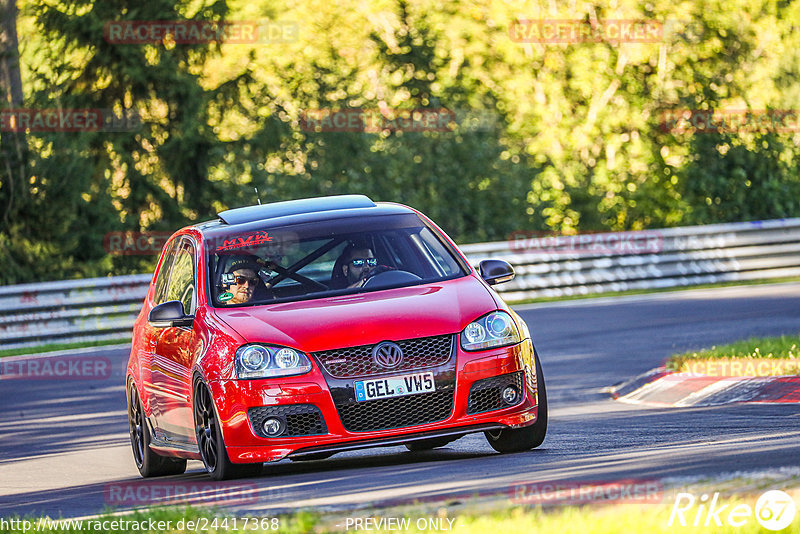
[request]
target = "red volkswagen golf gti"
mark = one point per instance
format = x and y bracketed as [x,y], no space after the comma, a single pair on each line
[305,328]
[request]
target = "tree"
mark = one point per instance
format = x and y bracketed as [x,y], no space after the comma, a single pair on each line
[13,144]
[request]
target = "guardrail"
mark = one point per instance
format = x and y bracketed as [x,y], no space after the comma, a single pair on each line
[93,309]
[549,266]
[650,259]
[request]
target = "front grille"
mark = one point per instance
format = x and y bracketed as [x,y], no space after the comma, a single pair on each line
[397,412]
[418,353]
[486,395]
[301,419]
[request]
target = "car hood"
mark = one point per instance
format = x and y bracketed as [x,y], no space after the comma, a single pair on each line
[364,319]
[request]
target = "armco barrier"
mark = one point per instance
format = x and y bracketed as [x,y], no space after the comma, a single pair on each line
[683,257]
[105,308]
[69,311]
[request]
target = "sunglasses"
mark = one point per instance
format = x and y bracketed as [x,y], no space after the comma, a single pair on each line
[240,280]
[359,262]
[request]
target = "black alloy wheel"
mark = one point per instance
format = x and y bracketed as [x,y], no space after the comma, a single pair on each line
[147,461]
[210,441]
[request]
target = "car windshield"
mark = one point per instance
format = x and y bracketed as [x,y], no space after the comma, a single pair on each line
[267,264]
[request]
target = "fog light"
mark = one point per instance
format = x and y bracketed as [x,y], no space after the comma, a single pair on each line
[510,395]
[273,427]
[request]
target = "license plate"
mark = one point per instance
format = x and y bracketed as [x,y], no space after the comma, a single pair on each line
[395,386]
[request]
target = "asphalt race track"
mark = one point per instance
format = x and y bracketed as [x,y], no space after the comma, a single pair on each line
[65,451]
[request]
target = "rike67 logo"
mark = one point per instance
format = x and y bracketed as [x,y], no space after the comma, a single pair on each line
[774,510]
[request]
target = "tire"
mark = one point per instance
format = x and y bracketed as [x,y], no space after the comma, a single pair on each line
[529,437]
[209,439]
[147,462]
[427,444]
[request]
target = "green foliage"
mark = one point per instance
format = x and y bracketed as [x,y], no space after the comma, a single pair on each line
[731,182]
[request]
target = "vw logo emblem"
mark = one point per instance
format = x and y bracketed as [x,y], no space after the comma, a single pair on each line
[387,354]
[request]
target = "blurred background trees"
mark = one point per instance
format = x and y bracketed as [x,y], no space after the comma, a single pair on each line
[568,137]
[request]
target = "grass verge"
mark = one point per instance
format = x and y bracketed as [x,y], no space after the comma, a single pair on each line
[614,518]
[61,346]
[755,349]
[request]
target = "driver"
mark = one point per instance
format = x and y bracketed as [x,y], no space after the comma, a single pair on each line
[240,280]
[357,264]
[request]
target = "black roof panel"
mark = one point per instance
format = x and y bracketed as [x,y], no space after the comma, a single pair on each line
[294,207]
[364,216]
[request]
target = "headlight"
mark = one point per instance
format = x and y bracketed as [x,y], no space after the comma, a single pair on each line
[263,361]
[254,358]
[494,330]
[287,358]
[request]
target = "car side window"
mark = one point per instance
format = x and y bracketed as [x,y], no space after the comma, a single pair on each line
[182,278]
[163,273]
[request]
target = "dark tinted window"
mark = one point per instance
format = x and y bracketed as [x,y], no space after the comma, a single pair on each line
[182,280]
[163,272]
[325,258]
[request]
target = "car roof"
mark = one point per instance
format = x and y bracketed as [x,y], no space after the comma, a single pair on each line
[300,211]
[294,207]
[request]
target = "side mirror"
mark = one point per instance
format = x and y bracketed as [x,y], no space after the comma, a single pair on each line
[496,271]
[169,314]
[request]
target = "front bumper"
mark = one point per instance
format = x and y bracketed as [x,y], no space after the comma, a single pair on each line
[236,397]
